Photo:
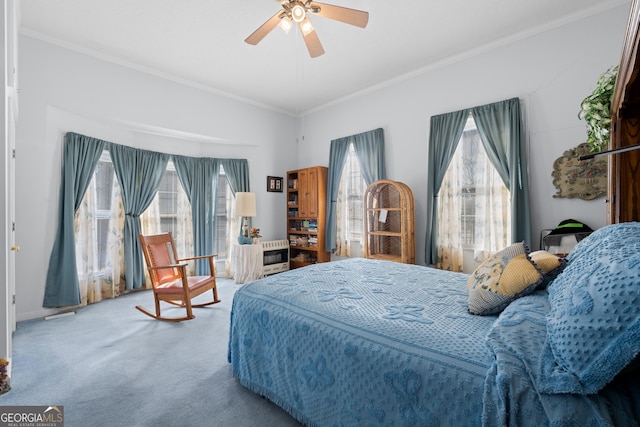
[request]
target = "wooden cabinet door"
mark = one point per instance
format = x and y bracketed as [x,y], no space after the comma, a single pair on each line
[312,193]
[303,191]
[308,193]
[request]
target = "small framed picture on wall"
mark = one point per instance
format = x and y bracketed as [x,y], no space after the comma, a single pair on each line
[274,184]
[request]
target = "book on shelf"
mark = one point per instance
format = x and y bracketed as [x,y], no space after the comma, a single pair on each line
[295,225]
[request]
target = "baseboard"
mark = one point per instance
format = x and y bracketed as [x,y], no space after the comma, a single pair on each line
[38,314]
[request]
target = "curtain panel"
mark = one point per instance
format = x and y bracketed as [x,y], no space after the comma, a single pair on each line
[199,178]
[81,155]
[369,147]
[445,133]
[502,134]
[237,172]
[139,173]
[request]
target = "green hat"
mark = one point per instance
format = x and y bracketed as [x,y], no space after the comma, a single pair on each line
[571,226]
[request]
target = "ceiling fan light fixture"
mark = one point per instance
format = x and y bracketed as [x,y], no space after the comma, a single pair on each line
[298,12]
[285,24]
[306,27]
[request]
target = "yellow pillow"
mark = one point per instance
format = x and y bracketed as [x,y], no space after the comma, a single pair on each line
[546,261]
[549,264]
[501,278]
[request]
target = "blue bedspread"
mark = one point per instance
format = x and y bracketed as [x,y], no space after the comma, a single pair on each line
[374,343]
[363,343]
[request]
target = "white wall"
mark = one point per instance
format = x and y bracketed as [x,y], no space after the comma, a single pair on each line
[65,91]
[551,73]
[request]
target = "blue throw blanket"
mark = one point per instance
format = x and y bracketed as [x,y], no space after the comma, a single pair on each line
[363,343]
[512,395]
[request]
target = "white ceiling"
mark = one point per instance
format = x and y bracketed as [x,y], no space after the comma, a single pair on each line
[201,42]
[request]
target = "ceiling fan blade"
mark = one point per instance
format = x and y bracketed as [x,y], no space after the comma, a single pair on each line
[313,42]
[355,17]
[264,29]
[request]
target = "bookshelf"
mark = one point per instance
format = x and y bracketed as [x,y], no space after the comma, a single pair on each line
[389,222]
[306,206]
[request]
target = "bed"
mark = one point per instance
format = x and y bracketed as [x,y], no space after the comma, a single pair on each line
[375,343]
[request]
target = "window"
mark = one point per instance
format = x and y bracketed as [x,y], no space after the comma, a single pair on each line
[168,193]
[98,226]
[349,206]
[103,187]
[473,158]
[224,198]
[473,203]
[170,212]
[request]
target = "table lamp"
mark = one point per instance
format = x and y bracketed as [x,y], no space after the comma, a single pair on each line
[245,207]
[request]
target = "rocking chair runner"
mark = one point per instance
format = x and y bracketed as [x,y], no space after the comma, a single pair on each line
[169,277]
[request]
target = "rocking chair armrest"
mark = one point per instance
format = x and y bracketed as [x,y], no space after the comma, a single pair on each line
[157,267]
[198,257]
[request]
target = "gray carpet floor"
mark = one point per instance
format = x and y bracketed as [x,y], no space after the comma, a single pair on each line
[110,365]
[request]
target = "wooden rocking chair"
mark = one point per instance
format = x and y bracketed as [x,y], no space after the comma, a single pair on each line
[169,277]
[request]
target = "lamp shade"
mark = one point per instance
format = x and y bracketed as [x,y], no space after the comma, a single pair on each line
[246,204]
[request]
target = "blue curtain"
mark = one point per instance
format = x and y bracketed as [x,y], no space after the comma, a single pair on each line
[199,178]
[337,157]
[81,155]
[501,131]
[369,147]
[139,173]
[445,133]
[237,172]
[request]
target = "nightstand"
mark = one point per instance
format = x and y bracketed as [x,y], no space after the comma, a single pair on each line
[246,262]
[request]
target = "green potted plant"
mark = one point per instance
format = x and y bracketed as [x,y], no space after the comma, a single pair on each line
[596,110]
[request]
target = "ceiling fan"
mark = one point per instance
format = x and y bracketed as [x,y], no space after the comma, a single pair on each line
[298,11]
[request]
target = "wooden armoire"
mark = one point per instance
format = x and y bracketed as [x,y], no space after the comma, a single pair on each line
[624,168]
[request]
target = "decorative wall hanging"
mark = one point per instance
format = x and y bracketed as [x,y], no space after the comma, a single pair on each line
[274,184]
[585,179]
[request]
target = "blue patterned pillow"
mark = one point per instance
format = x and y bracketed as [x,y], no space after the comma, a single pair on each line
[593,327]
